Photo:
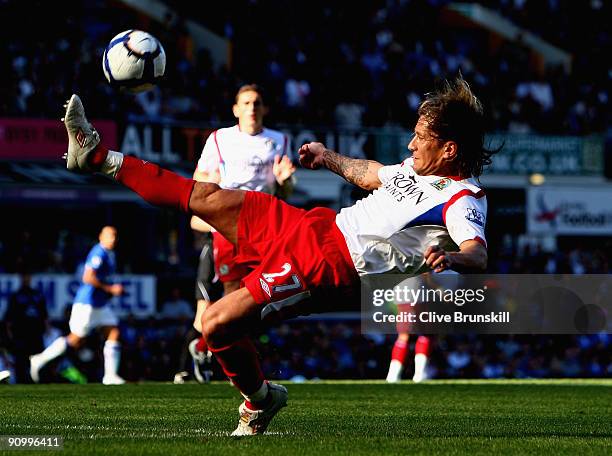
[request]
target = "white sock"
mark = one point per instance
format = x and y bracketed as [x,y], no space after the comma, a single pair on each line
[395,371]
[57,348]
[258,395]
[420,363]
[112,356]
[112,164]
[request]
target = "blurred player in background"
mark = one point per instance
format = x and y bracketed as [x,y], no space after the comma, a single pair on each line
[427,213]
[26,322]
[401,347]
[399,357]
[90,311]
[445,280]
[208,289]
[247,156]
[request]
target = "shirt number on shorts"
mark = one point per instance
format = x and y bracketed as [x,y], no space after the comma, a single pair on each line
[271,276]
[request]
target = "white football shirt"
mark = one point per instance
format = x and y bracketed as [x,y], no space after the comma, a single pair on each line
[390,229]
[244,161]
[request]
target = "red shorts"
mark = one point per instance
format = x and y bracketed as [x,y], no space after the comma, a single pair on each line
[225,260]
[300,259]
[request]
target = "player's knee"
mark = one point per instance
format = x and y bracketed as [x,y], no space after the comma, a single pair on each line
[113,334]
[403,336]
[201,192]
[201,202]
[74,341]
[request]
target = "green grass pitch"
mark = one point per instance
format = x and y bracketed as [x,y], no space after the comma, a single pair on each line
[449,417]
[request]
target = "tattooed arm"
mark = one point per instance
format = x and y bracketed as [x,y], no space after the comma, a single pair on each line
[363,173]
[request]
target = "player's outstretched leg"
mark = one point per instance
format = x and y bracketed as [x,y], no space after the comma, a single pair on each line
[232,317]
[158,186]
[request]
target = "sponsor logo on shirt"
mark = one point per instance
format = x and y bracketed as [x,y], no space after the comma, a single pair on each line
[475,216]
[271,144]
[404,187]
[441,184]
[257,164]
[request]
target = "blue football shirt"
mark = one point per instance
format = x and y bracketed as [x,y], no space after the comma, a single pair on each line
[102,261]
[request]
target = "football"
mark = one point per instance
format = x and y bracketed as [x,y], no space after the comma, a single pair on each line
[134,60]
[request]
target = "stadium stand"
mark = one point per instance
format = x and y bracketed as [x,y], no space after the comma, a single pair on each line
[384,68]
[387,55]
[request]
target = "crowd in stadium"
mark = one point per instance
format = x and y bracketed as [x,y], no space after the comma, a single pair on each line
[382,65]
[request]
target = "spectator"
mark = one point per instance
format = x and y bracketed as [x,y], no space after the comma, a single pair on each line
[176,308]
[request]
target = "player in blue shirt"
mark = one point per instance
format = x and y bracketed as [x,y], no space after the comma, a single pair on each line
[90,311]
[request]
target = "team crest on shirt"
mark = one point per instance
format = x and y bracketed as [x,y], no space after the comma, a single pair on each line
[96,262]
[223,269]
[441,184]
[475,216]
[265,287]
[271,144]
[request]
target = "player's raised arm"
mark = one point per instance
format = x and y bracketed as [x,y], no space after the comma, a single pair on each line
[363,173]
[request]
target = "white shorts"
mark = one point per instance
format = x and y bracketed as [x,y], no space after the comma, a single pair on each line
[85,317]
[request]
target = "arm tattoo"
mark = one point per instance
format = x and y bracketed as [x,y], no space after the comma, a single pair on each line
[353,170]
